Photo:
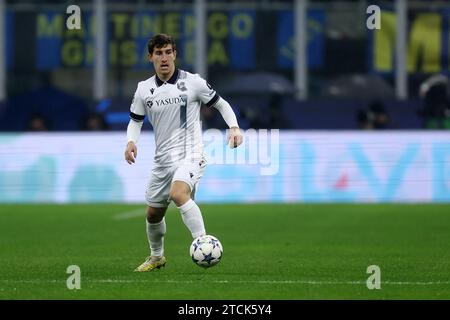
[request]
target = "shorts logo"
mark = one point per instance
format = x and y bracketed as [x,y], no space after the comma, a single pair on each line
[191,174]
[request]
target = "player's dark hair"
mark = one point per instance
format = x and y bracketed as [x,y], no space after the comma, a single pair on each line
[159,41]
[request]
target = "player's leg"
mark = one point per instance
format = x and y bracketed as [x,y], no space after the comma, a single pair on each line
[156,229]
[181,192]
[157,195]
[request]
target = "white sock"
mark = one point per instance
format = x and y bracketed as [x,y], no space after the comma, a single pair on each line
[155,235]
[192,218]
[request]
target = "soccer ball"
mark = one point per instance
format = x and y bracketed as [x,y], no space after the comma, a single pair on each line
[206,251]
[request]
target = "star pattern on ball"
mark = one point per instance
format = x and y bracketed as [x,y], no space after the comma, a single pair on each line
[215,243]
[208,258]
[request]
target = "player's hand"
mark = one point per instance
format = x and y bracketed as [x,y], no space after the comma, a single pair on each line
[130,152]
[235,138]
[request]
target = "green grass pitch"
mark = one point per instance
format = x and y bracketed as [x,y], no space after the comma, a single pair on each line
[285,251]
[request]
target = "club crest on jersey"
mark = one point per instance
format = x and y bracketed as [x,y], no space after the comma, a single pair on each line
[181,86]
[149,103]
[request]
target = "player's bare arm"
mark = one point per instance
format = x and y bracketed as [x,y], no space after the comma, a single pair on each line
[235,137]
[131,152]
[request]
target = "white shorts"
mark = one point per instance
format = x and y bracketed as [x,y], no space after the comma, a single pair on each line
[161,179]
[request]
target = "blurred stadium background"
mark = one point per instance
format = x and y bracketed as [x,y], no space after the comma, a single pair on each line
[363,118]
[332,74]
[334,84]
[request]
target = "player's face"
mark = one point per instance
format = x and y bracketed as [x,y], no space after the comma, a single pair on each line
[164,61]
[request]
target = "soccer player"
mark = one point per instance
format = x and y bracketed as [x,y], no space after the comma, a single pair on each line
[171,99]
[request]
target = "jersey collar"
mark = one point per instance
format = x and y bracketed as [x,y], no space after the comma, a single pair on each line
[173,79]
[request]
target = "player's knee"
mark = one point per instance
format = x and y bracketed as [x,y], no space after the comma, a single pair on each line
[179,196]
[155,215]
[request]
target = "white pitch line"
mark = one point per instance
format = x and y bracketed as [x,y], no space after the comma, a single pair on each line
[129,214]
[311,282]
[421,283]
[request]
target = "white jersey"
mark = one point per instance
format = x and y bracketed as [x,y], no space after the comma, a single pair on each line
[173,109]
